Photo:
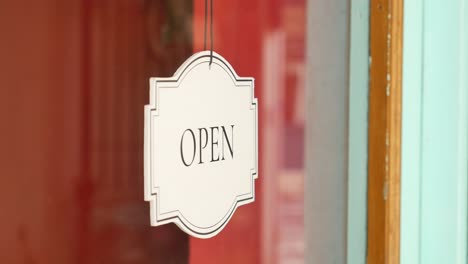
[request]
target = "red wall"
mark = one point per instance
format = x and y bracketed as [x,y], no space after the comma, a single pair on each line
[73,83]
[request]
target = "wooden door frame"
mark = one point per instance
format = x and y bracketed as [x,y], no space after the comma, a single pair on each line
[384,149]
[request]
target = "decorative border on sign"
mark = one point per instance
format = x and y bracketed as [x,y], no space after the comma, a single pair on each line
[152,192]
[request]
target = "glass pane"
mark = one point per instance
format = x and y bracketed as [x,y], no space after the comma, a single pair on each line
[76,76]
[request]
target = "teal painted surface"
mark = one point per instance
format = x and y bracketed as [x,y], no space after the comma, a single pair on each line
[435,133]
[410,233]
[357,129]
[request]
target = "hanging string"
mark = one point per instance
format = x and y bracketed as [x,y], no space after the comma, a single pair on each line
[211,28]
[206,18]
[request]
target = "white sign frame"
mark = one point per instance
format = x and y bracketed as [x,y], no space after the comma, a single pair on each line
[152,191]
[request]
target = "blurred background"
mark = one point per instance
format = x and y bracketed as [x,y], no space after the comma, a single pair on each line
[74,80]
[373,94]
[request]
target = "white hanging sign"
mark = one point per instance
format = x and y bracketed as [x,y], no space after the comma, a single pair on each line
[201,145]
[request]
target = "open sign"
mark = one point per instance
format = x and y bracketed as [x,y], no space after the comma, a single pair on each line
[201,149]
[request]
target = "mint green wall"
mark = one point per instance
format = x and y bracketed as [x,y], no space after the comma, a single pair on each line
[357,132]
[435,132]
